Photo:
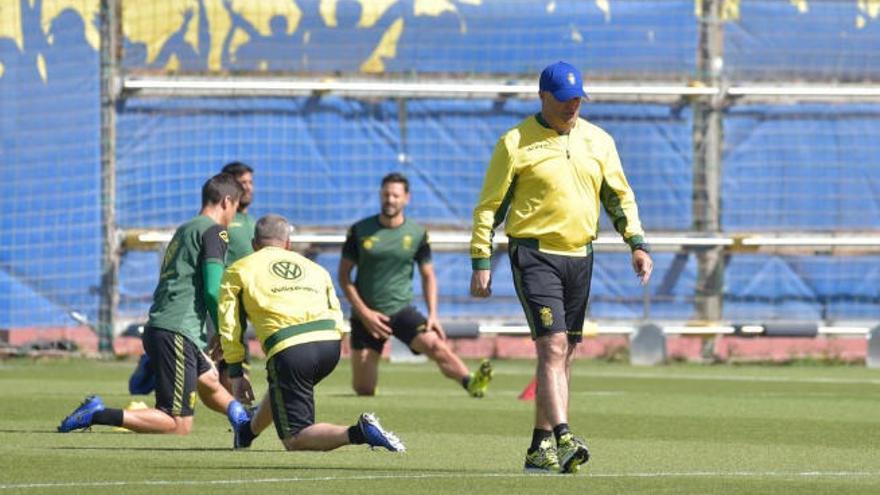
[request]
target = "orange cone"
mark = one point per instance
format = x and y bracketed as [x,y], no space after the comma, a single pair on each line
[528,393]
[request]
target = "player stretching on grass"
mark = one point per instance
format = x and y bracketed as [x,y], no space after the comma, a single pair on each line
[187,293]
[384,247]
[241,234]
[292,303]
[547,177]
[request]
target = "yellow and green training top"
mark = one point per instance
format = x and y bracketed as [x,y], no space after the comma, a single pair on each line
[288,298]
[547,187]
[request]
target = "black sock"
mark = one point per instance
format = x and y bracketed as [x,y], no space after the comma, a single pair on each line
[560,429]
[538,436]
[246,434]
[465,381]
[355,435]
[109,417]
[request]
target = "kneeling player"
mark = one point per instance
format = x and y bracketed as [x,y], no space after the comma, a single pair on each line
[174,339]
[384,248]
[292,304]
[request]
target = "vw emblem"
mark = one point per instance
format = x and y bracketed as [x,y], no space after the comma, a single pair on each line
[286,270]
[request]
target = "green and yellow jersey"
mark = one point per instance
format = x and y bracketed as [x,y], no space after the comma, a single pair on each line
[288,298]
[241,233]
[547,188]
[384,259]
[182,298]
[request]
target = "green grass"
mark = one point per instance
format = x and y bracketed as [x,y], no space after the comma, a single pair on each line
[674,429]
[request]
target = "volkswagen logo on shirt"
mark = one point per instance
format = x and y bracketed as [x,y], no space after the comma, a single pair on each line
[287,270]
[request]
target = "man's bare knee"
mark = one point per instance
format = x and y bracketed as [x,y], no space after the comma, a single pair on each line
[552,348]
[430,345]
[210,379]
[435,349]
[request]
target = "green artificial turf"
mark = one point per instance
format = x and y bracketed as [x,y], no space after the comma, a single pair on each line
[671,429]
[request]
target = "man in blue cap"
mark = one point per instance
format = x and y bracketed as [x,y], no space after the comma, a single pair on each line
[545,180]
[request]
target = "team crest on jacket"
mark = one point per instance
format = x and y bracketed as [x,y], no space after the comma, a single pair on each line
[546,317]
[407,242]
[369,242]
[224,235]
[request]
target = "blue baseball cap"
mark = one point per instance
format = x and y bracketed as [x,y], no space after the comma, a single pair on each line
[563,80]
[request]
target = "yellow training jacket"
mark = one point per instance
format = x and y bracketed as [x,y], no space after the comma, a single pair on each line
[289,299]
[549,187]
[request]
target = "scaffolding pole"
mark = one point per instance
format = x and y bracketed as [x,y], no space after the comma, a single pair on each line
[111,33]
[708,139]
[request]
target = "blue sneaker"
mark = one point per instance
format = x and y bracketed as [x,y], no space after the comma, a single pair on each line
[238,418]
[376,436]
[142,380]
[237,414]
[81,417]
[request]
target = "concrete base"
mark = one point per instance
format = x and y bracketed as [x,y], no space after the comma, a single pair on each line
[872,359]
[647,346]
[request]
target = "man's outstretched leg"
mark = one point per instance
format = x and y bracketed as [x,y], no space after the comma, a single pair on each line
[431,345]
[292,375]
[325,436]
[93,412]
[182,371]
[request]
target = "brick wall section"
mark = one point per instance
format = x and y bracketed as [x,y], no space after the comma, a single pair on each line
[684,348]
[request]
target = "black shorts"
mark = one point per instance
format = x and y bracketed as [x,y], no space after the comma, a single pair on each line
[406,324]
[553,290]
[292,375]
[177,364]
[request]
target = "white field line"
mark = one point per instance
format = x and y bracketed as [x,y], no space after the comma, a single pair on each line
[423,476]
[733,378]
[585,373]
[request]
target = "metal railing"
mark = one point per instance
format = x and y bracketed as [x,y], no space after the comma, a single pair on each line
[247,86]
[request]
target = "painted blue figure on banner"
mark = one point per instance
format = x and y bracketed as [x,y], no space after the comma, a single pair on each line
[344,47]
[64,48]
[433,40]
[277,51]
[188,57]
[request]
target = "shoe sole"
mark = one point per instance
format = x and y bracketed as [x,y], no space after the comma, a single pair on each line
[236,444]
[97,405]
[573,464]
[387,443]
[61,428]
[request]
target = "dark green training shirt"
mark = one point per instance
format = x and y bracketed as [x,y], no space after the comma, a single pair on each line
[179,299]
[384,259]
[241,232]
